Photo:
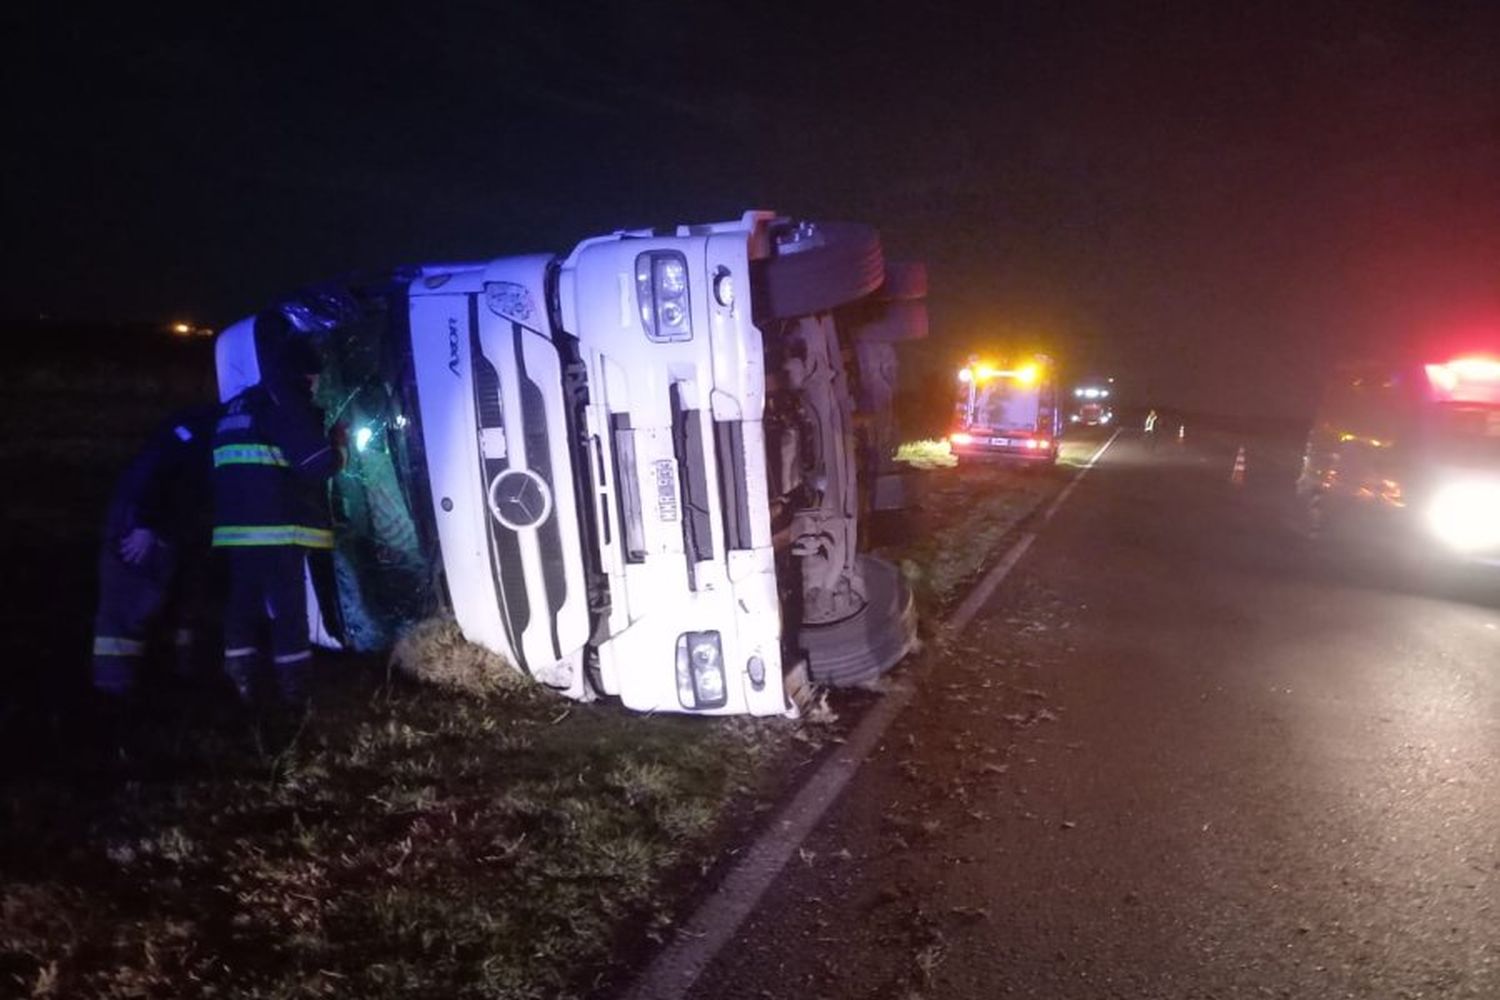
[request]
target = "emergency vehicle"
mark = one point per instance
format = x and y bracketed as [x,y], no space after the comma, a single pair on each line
[1092,404]
[1409,452]
[631,469]
[1007,412]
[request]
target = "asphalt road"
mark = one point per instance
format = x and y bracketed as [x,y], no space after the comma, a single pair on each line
[1176,755]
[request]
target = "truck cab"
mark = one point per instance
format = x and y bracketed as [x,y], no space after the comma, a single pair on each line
[639,465]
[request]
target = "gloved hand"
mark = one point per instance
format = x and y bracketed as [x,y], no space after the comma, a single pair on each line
[137,545]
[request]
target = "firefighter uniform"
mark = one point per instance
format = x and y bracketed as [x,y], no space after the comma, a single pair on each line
[155,550]
[270,462]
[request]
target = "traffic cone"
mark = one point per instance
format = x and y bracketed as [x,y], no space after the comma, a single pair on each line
[1237,477]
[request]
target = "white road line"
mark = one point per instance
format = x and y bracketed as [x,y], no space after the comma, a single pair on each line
[1073,483]
[674,971]
[986,587]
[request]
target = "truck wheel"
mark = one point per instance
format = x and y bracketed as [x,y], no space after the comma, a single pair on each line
[820,266]
[859,649]
[892,322]
[904,280]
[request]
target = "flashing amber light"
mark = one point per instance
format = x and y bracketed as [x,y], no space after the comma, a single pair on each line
[182,329]
[983,372]
[959,437]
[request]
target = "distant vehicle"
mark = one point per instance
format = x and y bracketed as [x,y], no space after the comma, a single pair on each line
[1007,412]
[632,469]
[1410,453]
[1092,405]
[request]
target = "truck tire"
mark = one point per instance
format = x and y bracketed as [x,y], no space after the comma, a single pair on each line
[860,648]
[904,280]
[892,322]
[820,266]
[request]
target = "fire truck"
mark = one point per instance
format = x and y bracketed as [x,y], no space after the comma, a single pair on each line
[1408,452]
[1007,412]
[1093,405]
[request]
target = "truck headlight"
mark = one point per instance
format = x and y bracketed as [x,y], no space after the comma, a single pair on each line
[661,290]
[1465,515]
[700,670]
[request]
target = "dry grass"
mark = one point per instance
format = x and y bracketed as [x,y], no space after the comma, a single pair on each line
[399,842]
[966,515]
[927,454]
[435,652]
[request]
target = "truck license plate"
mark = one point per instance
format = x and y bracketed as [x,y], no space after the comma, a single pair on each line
[1000,442]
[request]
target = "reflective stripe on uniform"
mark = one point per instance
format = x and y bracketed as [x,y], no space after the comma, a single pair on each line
[289,658]
[239,651]
[249,454]
[108,645]
[245,535]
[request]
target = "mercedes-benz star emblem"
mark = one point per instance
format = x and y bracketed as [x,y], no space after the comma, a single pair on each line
[519,499]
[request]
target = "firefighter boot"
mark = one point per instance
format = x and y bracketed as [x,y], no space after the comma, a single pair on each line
[291,679]
[239,667]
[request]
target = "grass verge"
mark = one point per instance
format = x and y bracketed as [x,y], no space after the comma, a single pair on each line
[964,515]
[474,837]
[400,841]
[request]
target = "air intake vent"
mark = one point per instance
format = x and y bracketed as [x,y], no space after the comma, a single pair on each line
[486,390]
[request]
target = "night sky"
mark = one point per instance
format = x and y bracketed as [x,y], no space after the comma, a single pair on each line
[1207,202]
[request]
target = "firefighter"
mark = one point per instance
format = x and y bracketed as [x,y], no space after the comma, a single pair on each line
[271,461]
[155,553]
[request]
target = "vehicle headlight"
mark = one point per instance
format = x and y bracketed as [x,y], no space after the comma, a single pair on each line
[700,670]
[756,668]
[1466,515]
[661,290]
[724,288]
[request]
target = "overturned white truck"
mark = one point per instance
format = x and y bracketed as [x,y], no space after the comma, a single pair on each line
[639,470]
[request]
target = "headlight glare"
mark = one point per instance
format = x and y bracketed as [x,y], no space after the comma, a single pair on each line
[1466,515]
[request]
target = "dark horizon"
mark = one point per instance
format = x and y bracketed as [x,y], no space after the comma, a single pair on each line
[1210,203]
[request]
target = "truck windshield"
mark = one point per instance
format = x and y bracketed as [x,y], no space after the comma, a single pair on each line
[383,565]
